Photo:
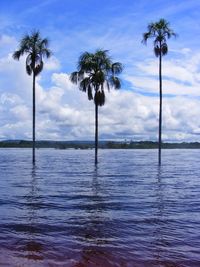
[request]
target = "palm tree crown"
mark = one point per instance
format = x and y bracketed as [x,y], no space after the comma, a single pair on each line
[36,48]
[161,32]
[96,71]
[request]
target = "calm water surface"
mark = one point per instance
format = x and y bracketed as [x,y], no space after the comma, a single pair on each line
[127,212]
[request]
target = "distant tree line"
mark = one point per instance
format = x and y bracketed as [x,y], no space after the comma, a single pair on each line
[102,145]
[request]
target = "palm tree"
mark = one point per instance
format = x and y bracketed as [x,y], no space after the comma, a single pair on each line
[96,71]
[35,48]
[160,31]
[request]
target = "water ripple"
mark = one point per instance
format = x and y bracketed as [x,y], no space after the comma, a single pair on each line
[127,212]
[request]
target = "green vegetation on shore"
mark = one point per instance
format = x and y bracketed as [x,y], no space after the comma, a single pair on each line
[102,144]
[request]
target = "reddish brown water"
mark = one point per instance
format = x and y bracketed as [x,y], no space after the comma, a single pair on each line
[127,212]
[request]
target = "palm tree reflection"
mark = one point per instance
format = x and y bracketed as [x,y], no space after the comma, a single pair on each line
[159,234]
[32,247]
[95,235]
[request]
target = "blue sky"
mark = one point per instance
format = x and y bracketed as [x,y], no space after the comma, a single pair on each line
[63,112]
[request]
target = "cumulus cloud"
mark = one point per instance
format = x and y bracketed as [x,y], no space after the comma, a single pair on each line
[14,79]
[7,44]
[136,116]
[181,76]
[6,40]
[52,64]
[62,80]
[64,113]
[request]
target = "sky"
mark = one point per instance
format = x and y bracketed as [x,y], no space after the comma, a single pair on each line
[73,27]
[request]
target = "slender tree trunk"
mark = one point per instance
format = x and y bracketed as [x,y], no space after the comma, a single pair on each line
[33,146]
[160,110]
[96,133]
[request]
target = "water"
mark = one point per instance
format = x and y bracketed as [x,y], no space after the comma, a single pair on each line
[127,212]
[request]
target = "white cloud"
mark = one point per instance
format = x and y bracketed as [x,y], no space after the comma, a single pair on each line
[173,69]
[10,99]
[14,79]
[52,64]
[16,130]
[62,80]
[64,113]
[21,112]
[181,76]
[6,40]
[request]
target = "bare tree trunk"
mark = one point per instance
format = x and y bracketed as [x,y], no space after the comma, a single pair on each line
[160,110]
[96,133]
[33,145]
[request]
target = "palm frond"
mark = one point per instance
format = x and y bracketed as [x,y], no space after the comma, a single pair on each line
[146,36]
[45,42]
[108,85]
[103,60]
[102,56]
[29,63]
[115,82]
[89,90]
[170,33]
[28,69]
[81,75]
[159,39]
[48,53]
[157,50]
[38,68]
[116,68]
[25,44]
[74,77]
[17,54]
[35,36]
[101,53]
[84,84]
[99,98]
[164,49]
[98,77]
[45,52]
[85,62]
[102,98]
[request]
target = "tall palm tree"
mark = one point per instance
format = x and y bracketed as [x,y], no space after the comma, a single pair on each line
[160,31]
[96,71]
[35,48]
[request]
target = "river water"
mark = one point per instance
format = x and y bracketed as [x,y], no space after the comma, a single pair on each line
[128,212]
